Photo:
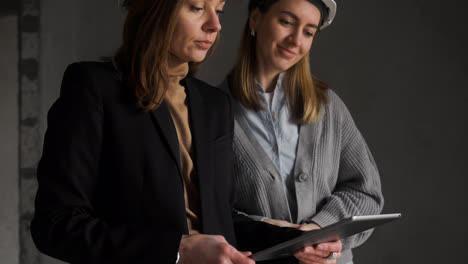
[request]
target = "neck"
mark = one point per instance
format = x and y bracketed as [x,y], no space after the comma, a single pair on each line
[177,70]
[267,79]
[266,76]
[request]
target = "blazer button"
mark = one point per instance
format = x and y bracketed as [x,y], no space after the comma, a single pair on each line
[302,177]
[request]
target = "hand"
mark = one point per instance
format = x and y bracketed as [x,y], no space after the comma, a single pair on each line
[308,227]
[281,223]
[318,254]
[209,249]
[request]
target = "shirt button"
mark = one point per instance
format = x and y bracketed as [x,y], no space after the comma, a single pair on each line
[275,149]
[274,116]
[302,177]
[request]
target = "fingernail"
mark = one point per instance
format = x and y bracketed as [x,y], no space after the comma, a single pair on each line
[321,247]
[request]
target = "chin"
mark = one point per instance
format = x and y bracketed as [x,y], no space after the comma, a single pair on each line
[282,67]
[197,60]
[285,66]
[197,57]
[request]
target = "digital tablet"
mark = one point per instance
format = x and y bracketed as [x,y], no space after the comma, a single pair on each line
[342,229]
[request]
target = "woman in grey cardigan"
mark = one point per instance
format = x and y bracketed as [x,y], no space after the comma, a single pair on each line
[300,161]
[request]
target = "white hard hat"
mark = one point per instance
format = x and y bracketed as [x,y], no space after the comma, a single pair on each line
[327,9]
[331,6]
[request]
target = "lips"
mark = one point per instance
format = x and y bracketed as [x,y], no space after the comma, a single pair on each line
[204,44]
[287,52]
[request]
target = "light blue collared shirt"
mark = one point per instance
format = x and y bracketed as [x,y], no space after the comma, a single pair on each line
[277,133]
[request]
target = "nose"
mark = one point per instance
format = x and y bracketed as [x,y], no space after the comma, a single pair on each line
[212,23]
[295,38]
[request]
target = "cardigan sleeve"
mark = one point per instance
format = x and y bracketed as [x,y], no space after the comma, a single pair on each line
[66,224]
[358,188]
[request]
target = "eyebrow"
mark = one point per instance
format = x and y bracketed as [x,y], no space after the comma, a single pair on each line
[220,2]
[291,14]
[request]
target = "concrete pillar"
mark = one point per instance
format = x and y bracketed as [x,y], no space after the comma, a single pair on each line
[29,113]
[9,196]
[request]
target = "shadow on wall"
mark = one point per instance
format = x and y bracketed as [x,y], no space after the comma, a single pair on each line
[9,7]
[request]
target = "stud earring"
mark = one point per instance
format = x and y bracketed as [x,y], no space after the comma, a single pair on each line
[252,32]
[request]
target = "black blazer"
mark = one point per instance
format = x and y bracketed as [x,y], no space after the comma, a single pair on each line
[110,184]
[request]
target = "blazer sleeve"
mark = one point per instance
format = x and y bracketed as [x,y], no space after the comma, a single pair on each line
[358,188]
[66,225]
[255,236]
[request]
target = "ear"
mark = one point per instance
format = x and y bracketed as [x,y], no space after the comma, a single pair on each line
[254,18]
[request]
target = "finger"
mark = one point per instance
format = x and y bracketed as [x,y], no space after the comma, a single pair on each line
[309,227]
[240,257]
[335,246]
[311,259]
[220,238]
[308,258]
[304,228]
[247,254]
[310,250]
[328,246]
[308,262]
[339,255]
[332,260]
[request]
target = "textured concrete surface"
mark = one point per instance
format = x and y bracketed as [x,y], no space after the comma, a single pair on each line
[29,113]
[9,196]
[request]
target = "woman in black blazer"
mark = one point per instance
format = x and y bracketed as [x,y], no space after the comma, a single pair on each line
[111,186]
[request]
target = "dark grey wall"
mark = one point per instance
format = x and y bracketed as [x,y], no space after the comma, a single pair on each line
[9,7]
[400,66]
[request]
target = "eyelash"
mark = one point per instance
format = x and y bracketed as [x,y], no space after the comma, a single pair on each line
[289,23]
[198,9]
[309,34]
[285,22]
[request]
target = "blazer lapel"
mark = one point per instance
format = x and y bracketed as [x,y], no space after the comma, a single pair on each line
[162,119]
[199,121]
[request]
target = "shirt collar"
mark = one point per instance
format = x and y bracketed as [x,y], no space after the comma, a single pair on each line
[279,83]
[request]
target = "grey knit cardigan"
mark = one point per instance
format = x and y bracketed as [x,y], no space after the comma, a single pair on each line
[335,174]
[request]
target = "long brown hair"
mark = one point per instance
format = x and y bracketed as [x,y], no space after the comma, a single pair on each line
[306,95]
[144,56]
